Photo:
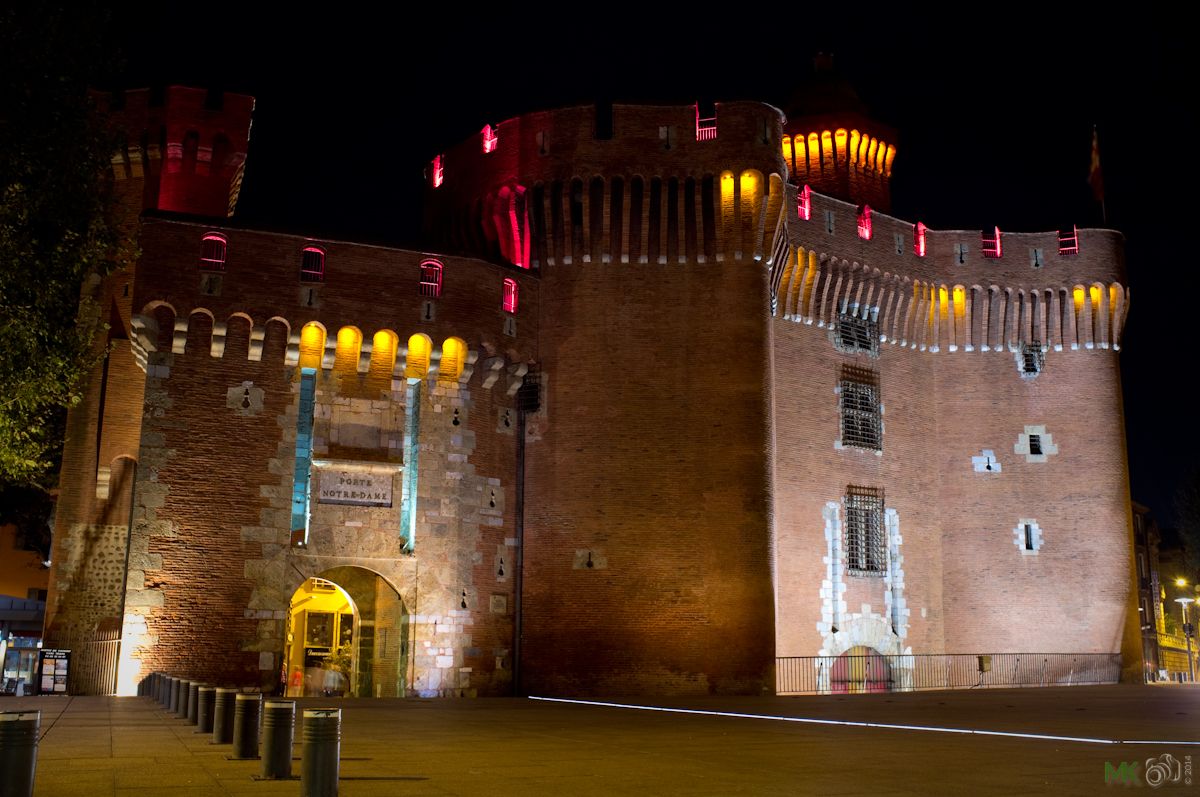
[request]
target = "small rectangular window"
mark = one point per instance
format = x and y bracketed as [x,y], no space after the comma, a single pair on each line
[960,253]
[1037,258]
[919,240]
[1032,358]
[991,244]
[862,421]
[829,222]
[510,295]
[864,223]
[706,121]
[853,335]
[437,171]
[1029,537]
[312,265]
[212,252]
[898,238]
[1068,241]
[1035,444]
[804,203]
[431,279]
[866,542]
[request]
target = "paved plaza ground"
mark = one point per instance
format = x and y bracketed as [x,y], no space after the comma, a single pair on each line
[131,747]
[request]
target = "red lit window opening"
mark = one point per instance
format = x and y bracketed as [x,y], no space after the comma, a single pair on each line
[706,127]
[212,252]
[312,264]
[919,239]
[438,172]
[991,244]
[510,295]
[490,139]
[431,279]
[1068,242]
[804,203]
[864,223]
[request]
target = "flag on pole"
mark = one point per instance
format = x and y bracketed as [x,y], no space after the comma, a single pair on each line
[1095,177]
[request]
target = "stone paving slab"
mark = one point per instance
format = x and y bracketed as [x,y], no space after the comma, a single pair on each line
[130,747]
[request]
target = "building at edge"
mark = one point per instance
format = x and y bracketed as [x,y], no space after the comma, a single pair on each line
[669,398]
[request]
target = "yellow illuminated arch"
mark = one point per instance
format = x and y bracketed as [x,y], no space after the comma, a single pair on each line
[349,344]
[854,137]
[416,362]
[383,352]
[312,345]
[787,150]
[454,356]
[839,141]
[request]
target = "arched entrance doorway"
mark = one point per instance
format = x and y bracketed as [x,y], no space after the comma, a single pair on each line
[346,636]
[860,669]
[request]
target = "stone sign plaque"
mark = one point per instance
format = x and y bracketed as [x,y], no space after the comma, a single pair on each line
[358,488]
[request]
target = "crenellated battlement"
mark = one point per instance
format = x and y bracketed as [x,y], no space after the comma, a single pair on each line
[377,355]
[186,145]
[254,296]
[622,184]
[939,290]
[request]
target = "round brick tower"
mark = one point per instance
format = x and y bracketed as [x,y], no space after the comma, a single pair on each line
[647,505]
[832,144]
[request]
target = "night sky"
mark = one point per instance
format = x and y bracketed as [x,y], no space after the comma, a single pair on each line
[994,115]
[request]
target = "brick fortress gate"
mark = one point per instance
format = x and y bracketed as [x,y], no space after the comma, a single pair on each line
[688,401]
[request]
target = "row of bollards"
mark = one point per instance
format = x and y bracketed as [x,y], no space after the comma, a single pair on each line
[18,751]
[235,717]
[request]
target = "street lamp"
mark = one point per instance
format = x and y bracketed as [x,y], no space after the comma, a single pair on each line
[1183,604]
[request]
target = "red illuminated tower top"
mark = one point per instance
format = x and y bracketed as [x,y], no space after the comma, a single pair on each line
[832,144]
[184,148]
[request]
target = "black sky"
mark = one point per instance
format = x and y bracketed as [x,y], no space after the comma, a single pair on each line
[994,115]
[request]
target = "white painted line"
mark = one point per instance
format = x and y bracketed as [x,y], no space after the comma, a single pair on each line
[852,723]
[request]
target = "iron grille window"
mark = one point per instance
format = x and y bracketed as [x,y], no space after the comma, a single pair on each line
[1032,358]
[312,265]
[854,335]
[861,419]
[431,279]
[212,252]
[1035,444]
[866,543]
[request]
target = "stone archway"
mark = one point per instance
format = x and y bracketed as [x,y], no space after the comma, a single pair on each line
[860,669]
[347,635]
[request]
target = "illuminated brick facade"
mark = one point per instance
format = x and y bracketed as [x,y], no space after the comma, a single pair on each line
[758,420]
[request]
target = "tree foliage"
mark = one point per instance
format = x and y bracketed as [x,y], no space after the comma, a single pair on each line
[56,226]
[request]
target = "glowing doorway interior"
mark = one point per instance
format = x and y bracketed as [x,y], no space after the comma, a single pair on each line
[347,635]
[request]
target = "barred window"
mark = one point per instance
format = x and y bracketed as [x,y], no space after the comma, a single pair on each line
[212,252]
[431,279]
[1031,359]
[861,417]
[312,264]
[866,543]
[853,335]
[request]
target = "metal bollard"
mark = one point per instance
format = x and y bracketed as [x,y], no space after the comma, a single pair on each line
[173,700]
[181,706]
[193,696]
[321,740]
[159,680]
[223,715]
[247,711]
[278,735]
[204,709]
[18,751]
